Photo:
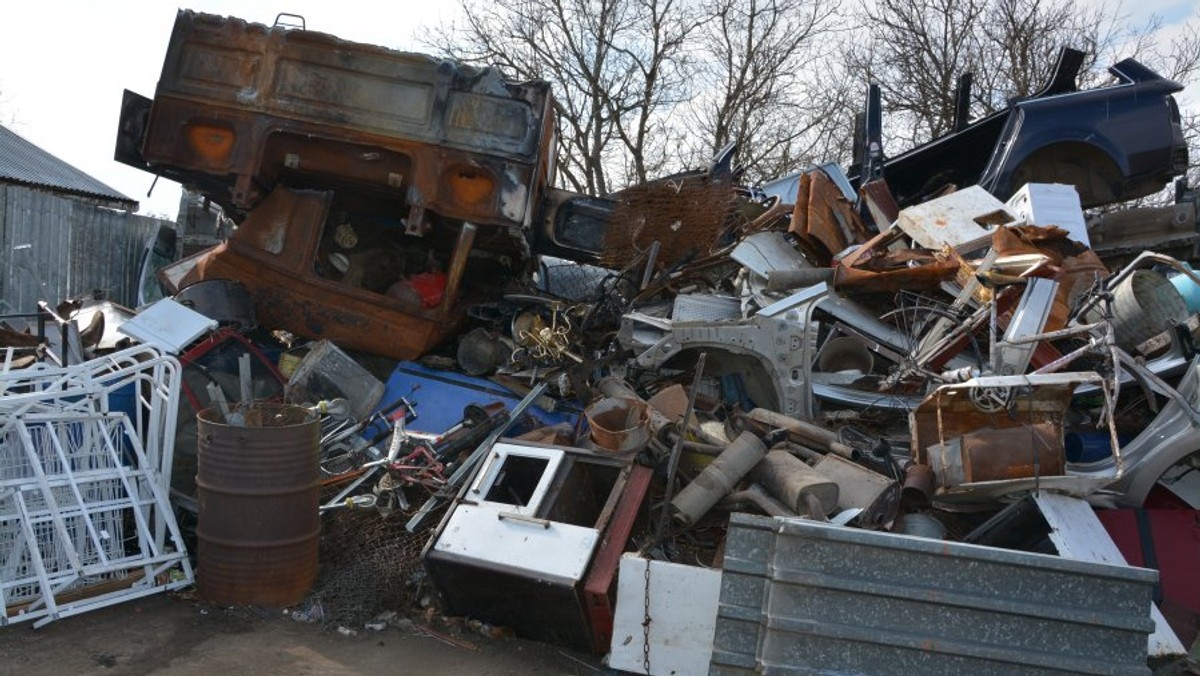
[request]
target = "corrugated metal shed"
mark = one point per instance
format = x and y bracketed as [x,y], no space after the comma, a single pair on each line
[24,163]
[53,248]
[800,597]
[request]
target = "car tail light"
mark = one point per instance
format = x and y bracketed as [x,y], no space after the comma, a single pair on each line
[212,144]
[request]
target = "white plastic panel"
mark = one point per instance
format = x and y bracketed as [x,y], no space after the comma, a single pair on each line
[168,325]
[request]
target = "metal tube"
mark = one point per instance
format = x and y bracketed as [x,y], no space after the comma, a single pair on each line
[706,490]
[673,462]
[458,265]
[759,497]
[804,432]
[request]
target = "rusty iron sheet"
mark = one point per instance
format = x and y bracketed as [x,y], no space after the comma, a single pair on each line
[1013,452]
[1074,266]
[1050,241]
[686,216]
[241,106]
[823,219]
[275,255]
[893,271]
[992,404]
[880,203]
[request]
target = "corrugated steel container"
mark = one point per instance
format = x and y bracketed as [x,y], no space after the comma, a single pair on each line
[53,248]
[744,584]
[847,601]
[258,486]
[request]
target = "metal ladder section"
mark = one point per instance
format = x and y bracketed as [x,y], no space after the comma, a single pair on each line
[85,520]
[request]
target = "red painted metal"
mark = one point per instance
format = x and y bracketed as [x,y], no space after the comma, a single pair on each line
[597,587]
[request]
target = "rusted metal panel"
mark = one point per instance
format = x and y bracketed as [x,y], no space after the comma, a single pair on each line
[598,584]
[824,219]
[275,255]
[258,483]
[875,266]
[364,177]
[998,435]
[239,106]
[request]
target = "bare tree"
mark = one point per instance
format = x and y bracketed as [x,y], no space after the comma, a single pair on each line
[615,66]
[1019,49]
[755,73]
[645,87]
[915,50]
[657,78]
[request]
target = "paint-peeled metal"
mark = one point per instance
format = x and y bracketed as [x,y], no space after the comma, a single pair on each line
[258,486]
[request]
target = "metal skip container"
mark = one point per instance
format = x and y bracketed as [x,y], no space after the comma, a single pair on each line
[258,486]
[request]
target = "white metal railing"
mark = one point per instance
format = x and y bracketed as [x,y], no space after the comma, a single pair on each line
[85,464]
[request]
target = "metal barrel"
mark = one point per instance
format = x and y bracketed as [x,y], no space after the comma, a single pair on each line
[258,487]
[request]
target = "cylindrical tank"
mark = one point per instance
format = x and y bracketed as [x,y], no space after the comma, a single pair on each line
[789,480]
[1144,305]
[619,424]
[258,486]
[718,478]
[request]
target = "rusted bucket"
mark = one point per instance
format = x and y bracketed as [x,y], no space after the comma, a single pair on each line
[258,485]
[619,424]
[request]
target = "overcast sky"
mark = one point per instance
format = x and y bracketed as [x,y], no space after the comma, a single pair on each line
[64,64]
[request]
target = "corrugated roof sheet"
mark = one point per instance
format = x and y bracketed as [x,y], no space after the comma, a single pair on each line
[24,162]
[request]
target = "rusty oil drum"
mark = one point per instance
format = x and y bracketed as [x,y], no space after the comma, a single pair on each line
[258,485]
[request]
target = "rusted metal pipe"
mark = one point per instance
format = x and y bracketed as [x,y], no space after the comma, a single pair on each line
[458,265]
[802,432]
[917,491]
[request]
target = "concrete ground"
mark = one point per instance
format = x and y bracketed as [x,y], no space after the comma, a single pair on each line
[178,636]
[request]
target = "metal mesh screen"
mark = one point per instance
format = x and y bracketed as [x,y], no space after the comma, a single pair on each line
[686,217]
[369,564]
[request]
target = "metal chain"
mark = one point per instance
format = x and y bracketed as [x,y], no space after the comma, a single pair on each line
[646,620]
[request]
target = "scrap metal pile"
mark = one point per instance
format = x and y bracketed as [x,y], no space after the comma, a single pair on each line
[582,377]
